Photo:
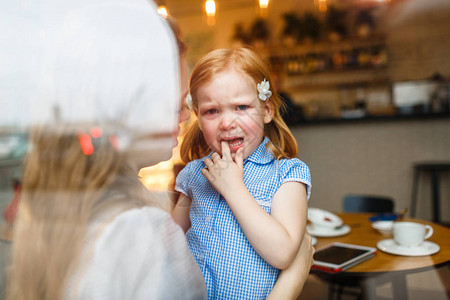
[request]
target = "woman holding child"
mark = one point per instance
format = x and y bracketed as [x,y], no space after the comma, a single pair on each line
[108,83]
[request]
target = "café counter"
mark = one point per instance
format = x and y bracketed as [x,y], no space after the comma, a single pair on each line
[373,118]
[375,155]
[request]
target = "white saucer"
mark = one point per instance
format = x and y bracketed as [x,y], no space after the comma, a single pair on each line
[426,248]
[332,232]
[313,240]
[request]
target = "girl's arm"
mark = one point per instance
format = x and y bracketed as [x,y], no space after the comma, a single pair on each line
[181,212]
[290,283]
[275,237]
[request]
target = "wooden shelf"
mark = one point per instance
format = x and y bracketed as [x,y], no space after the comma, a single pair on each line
[338,79]
[375,118]
[327,46]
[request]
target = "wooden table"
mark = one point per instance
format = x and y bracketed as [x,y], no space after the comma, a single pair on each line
[384,265]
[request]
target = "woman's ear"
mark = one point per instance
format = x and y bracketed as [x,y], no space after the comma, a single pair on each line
[268,111]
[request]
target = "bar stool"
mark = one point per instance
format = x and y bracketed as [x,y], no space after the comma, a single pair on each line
[435,167]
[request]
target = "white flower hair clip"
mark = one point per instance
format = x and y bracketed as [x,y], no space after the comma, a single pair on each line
[264,90]
[189,101]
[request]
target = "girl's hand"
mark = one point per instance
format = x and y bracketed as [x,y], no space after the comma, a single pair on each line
[225,174]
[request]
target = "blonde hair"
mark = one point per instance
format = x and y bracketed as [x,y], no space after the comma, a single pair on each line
[247,61]
[63,191]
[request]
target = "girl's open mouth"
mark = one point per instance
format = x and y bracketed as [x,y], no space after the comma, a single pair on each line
[235,144]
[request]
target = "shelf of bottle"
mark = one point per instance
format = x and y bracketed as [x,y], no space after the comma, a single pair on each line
[338,79]
[375,118]
[327,45]
[328,57]
[357,59]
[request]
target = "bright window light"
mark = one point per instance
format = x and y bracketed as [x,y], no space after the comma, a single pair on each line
[210,7]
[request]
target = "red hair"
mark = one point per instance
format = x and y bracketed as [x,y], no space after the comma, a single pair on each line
[248,62]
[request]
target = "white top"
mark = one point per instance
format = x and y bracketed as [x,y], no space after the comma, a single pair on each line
[141,254]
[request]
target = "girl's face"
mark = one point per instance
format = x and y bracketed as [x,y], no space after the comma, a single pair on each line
[228,109]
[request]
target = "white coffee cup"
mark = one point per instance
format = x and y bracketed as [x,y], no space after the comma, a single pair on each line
[410,234]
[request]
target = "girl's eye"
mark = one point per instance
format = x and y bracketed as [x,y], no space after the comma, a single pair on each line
[211,111]
[242,107]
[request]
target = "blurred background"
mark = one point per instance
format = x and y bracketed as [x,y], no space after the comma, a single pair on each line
[366,84]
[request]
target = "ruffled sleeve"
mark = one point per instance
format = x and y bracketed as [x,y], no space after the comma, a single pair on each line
[296,170]
[183,179]
[141,254]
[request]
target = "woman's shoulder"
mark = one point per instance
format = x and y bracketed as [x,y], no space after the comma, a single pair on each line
[143,213]
[132,251]
[142,227]
[148,218]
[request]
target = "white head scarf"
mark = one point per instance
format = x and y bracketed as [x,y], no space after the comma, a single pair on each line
[107,63]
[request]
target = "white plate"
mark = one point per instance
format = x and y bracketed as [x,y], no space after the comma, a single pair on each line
[323,218]
[426,248]
[313,240]
[332,232]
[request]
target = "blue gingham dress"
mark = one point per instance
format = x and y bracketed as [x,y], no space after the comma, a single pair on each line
[231,267]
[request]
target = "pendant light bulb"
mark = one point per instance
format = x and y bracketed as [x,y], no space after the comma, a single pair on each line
[263,3]
[210,7]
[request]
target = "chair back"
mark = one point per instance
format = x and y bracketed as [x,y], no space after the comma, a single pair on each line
[368,203]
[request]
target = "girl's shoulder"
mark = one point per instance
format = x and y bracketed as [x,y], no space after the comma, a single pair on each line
[293,169]
[198,161]
[192,172]
[292,162]
[194,166]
